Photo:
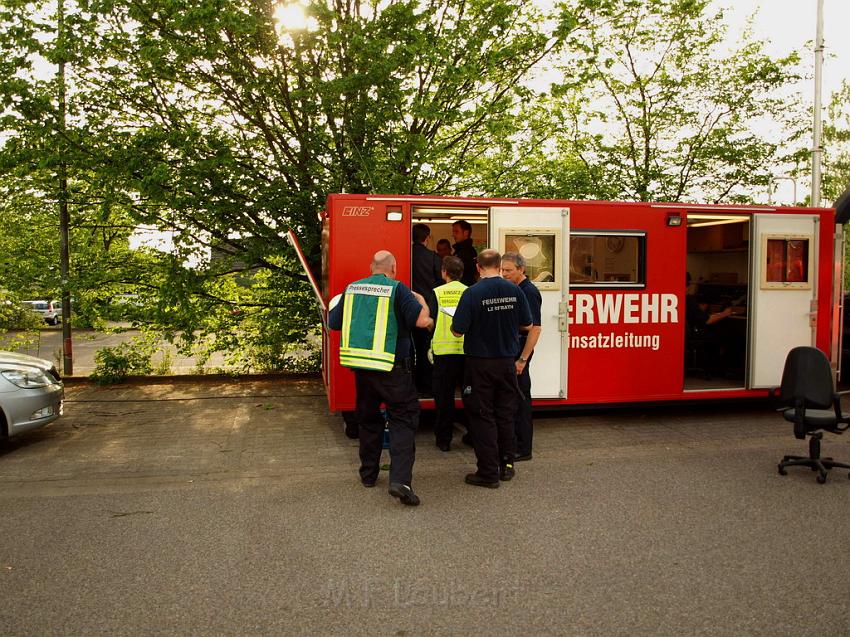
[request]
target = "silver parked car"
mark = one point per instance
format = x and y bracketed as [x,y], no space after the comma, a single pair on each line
[50,311]
[31,393]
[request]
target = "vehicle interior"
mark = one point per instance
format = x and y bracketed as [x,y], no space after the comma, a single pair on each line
[717,301]
[441,218]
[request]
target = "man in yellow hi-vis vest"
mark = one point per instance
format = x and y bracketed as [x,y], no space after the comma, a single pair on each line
[375,316]
[446,349]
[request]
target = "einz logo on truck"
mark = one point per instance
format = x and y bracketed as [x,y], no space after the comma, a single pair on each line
[357,211]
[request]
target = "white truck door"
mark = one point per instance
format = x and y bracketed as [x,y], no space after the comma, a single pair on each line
[783,285]
[541,235]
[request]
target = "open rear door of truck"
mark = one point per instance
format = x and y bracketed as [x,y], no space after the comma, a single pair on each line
[293,240]
[783,288]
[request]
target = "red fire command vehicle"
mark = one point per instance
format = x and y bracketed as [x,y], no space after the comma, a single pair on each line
[613,281]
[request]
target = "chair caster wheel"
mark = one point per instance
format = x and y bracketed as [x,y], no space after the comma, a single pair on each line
[782,471]
[821,478]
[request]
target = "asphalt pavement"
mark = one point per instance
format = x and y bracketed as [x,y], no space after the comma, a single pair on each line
[47,343]
[233,507]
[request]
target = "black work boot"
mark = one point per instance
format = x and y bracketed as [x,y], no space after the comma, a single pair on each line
[477,481]
[404,493]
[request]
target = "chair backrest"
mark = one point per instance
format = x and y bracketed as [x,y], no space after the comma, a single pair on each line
[808,377]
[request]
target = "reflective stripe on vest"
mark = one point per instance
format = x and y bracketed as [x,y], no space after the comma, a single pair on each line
[369,327]
[443,341]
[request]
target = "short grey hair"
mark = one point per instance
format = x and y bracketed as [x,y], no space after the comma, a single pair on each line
[516,258]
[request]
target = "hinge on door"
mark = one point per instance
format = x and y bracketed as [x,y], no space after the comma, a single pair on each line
[565,212]
[813,313]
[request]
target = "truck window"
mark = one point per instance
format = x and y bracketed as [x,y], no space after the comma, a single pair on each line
[607,259]
[786,262]
[541,249]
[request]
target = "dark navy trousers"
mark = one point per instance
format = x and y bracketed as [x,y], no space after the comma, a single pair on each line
[523,426]
[448,375]
[396,391]
[491,396]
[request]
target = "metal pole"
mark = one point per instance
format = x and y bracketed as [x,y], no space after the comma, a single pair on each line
[817,150]
[64,217]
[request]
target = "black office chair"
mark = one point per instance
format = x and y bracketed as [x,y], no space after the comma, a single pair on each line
[812,404]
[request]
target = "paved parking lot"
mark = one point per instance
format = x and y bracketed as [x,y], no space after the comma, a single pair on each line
[233,507]
[47,343]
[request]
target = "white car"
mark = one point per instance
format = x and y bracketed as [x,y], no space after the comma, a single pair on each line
[50,311]
[31,393]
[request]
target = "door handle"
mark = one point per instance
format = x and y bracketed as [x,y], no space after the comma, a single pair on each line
[563,321]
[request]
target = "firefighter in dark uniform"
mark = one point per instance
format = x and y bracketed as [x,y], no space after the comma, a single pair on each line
[464,250]
[489,316]
[376,315]
[513,269]
[424,277]
[446,350]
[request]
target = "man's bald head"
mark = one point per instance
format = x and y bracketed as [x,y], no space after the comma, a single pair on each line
[489,259]
[383,263]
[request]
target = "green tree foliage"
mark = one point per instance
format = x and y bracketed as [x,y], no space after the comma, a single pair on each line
[657,111]
[33,146]
[14,315]
[201,120]
[115,364]
[836,143]
[527,159]
[236,131]
[836,157]
[102,265]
